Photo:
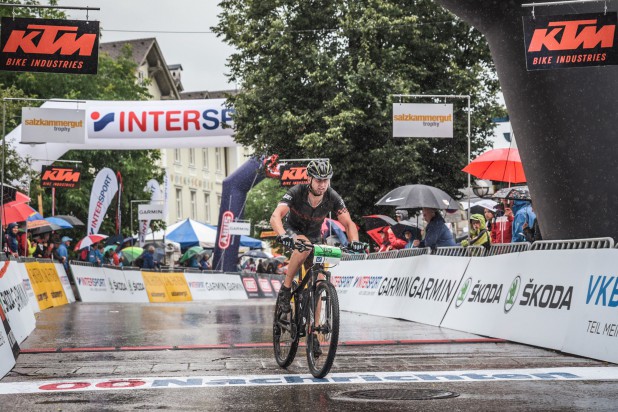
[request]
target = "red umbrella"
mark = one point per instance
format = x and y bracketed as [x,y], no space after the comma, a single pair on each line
[16,212]
[89,240]
[502,165]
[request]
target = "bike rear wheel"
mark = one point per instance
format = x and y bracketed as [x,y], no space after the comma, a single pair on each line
[285,333]
[325,331]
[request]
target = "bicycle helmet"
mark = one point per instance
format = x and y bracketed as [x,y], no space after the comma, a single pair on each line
[320,169]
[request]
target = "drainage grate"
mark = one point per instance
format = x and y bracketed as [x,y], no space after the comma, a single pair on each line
[398,394]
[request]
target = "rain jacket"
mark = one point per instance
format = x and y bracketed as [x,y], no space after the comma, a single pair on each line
[501,229]
[479,237]
[395,242]
[522,210]
[11,244]
[437,234]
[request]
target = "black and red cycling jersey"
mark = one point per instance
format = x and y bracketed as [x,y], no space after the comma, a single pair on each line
[303,219]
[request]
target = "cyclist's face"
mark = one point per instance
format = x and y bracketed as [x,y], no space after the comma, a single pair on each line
[319,186]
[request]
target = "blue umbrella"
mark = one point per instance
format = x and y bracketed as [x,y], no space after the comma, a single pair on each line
[60,222]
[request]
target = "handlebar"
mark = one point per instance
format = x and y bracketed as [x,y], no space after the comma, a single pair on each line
[303,246]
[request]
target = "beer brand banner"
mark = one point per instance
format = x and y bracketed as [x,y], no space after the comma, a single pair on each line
[104,188]
[422,120]
[54,285]
[576,40]
[177,287]
[155,287]
[47,45]
[65,177]
[292,175]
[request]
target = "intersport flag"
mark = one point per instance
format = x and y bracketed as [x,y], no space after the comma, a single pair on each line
[103,190]
[152,187]
[576,40]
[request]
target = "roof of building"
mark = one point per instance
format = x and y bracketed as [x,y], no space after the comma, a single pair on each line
[147,51]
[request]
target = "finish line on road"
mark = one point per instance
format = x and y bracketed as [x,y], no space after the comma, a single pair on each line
[538,374]
[254,345]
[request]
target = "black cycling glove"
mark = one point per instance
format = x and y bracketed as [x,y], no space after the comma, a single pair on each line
[286,240]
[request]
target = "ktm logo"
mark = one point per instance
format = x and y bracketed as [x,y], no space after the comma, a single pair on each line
[44,39]
[572,35]
[295,173]
[61,175]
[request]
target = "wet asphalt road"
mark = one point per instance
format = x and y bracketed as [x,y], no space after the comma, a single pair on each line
[152,333]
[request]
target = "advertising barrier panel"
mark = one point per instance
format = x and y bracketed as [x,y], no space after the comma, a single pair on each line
[266,289]
[417,288]
[118,285]
[64,280]
[56,290]
[136,285]
[176,286]
[91,283]
[251,287]
[215,286]
[9,349]
[155,287]
[593,327]
[14,300]
[23,273]
[38,280]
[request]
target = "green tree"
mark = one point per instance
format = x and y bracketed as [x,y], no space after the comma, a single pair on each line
[317,80]
[261,201]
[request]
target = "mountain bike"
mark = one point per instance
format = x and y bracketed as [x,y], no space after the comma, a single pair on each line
[315,314]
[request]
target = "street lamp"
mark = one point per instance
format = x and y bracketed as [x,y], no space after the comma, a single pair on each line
[481,188]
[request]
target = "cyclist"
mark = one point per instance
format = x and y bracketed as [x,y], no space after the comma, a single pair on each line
[304,208]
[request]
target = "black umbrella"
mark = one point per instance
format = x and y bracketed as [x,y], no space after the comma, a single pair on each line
[72,220]
[256,254]
[513,193]
[46,228]
[400,228]
[418,196]
[112,240]
[375,221]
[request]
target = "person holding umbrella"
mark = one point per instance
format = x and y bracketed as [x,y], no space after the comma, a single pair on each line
[304,208]
[437,233]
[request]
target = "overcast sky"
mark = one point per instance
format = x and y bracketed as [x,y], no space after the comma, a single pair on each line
[201,54]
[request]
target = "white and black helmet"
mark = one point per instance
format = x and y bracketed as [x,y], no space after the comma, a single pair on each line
[320,169]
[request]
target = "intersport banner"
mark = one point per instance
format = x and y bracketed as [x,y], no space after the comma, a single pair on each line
[104,188]
[91,283]
[417,288]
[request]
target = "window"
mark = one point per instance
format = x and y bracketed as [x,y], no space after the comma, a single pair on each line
[205,159]
[207,207]
[219,201]
[178,203]
[193,205]
[218,159]
[191,157]
[177,157]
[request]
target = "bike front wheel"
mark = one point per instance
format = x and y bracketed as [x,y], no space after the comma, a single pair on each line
[285,333]
[323,328]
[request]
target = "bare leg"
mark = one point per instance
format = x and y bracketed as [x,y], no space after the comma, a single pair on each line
[296,260]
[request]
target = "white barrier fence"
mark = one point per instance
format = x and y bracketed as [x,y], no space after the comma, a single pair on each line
[560,299]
